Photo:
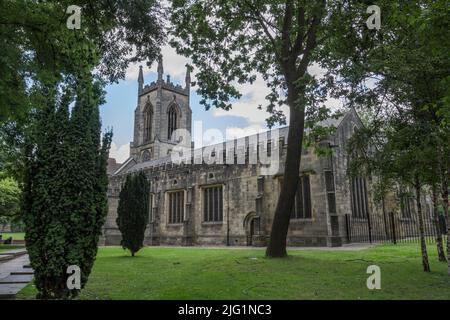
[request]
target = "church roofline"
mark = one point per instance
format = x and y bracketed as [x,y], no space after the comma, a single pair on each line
[167,159]
[123,166]
[283,135]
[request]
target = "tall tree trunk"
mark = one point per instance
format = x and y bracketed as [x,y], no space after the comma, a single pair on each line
[294,61]
[439,242]
[280,225]
[423,246]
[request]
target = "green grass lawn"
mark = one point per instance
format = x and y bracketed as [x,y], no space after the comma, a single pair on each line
[198,273]
[14,235]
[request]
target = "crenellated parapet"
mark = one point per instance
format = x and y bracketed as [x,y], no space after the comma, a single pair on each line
[170,86]
[162,107]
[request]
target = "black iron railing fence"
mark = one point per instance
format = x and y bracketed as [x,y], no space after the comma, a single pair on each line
[391,227]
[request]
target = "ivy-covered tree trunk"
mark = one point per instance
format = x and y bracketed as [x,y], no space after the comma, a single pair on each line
[439,240]
[132,212]
[423,246]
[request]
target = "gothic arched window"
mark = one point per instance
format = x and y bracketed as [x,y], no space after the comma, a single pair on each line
[146,155]
[173,116]
[148,119]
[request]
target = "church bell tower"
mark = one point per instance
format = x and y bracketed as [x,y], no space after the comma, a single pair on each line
[162,108]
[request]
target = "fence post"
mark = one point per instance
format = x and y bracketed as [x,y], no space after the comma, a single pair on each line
[369,225]
[391,215]
[347,227]
[386,232]
[442,225]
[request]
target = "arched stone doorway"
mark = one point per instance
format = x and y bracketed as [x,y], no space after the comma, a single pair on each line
[250,227]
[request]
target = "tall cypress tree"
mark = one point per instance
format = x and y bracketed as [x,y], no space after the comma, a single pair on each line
[65,182]
[43,208]
[65,188]
[132,212]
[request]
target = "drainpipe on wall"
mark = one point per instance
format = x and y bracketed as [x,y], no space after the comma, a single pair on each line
[334,217]
[153,199]
[228,226]
[228,211]
[151,233]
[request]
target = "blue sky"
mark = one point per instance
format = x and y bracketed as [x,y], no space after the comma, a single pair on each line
[243,119]
[121,100]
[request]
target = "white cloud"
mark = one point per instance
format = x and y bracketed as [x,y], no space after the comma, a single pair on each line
[173,64]
[253,95]
[316,70]
[237,132]
[120,153]
[132,72]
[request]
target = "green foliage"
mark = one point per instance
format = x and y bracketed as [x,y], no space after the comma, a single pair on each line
[61,158]
[319,127]
[132,212]
[64,202]
[16,235]
[11,153]
[233,41]
[407,99]
[403,83]
[9,197]
[39,52]
[37,45]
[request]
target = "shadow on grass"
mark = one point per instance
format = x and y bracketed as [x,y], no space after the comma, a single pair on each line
[126,255]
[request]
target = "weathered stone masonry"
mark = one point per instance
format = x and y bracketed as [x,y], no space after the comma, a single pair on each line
[248,198]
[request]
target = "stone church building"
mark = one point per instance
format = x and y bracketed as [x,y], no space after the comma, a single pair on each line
[231,204]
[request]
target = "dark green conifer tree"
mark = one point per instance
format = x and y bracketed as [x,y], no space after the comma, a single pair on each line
[132,212]
[65,201]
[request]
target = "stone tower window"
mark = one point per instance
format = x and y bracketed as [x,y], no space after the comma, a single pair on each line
[148,120]
[146,155]
[173,117]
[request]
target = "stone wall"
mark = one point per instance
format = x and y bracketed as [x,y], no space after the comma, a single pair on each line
[248,196]
[161,96]
[243,187]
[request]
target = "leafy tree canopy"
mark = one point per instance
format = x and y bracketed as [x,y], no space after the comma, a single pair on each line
[38,46]
[232,41]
